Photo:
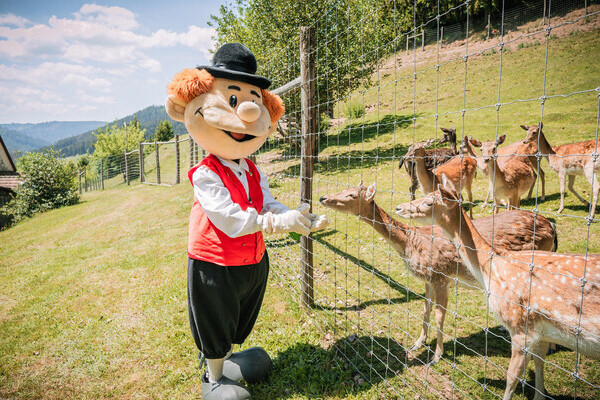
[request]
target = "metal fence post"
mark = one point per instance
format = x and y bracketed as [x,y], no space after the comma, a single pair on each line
[309,129]
[141,156]
[157,163]
[177,172]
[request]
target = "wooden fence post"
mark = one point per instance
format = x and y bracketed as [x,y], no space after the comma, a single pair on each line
[309,129]
[177,172]
[157,163]
[126,168]
[79,175]
[102,173]
[141,157]
[191,152]
[85,178]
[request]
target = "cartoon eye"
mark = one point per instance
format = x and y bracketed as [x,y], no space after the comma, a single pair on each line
[233,101]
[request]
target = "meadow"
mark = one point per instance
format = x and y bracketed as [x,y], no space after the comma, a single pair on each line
[93,296]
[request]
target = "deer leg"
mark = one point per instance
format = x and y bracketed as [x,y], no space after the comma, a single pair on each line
[595,188]
[441,304]
[562,176]
[516,366]
[572,188]
[470,194]
[487,196]
[425,327]
[543,180]
[414,182]
[539,353]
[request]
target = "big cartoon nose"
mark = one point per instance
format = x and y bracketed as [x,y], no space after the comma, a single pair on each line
[248,111]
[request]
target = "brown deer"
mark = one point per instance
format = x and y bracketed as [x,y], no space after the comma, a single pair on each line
[521,150]
[570,160]
[461,170]
[433,157]
[538,296]
[436,262]
[507,181]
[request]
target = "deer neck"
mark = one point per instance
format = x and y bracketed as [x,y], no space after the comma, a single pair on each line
[453,146]
[546,149]
[425,176]
[495,174]
[395,232]
[473,250]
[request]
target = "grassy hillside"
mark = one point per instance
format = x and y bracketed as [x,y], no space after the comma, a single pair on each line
[93,296]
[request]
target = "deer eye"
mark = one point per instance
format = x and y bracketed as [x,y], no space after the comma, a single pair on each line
[233,101]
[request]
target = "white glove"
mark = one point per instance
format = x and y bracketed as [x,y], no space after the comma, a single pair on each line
[289,221]
[317,222]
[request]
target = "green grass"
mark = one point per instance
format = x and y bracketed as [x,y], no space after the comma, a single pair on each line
[93,296]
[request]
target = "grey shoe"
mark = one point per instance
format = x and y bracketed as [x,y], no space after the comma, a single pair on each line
[223,389]
[251,365]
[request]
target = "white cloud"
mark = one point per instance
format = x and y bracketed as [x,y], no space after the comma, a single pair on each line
[13,20]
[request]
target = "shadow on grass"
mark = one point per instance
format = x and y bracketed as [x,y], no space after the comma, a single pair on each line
[407,294]
[351,365]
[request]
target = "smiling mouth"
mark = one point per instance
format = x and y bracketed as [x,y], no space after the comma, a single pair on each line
[239,137]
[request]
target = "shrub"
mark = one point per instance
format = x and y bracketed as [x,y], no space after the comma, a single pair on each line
[355,110]
[48,183]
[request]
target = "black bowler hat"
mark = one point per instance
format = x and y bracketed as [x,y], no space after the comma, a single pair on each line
[235,61]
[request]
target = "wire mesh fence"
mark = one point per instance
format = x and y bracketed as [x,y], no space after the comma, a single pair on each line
[377,277]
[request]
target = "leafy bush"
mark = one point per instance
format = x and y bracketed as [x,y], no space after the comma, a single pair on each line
[355,110]
[48,183]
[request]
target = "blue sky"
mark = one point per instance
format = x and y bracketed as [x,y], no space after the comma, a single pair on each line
[65,60]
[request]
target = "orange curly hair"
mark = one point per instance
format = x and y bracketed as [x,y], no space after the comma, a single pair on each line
[191,82]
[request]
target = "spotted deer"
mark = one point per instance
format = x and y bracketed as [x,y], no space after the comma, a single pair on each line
[433,157]
[436,262]
[570,160]
[509,180]
[461,170]
[538,296]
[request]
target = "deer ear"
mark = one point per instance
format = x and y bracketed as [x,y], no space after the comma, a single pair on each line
[525,127]
[447,189]
[500,140]
[361,184]
[175,108]
[541,124]
[370,193]
[445,130]
[475,142]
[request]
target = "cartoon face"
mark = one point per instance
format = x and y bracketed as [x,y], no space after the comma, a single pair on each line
[229,121]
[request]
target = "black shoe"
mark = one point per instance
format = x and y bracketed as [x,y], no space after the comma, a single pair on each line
[251,365]
[223,389]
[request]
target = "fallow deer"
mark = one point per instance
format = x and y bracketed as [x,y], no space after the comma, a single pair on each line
[570,160]
[538,296]
[433,157]
[436,262]
[508,181]
[522,150]
[461,170]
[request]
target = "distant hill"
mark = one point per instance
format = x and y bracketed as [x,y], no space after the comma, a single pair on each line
[35,136]
[18,142]
[149,119]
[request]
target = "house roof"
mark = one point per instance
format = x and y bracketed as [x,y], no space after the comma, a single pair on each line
[10,180]
[5,157]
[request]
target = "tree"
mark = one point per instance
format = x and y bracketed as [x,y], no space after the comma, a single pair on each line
[113,140]
[164,131]
[48,183]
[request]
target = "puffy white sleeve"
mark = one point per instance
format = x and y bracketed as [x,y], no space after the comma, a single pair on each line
[220,209]
[269,203]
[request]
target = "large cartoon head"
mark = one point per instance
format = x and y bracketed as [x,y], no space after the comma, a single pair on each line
[225,107]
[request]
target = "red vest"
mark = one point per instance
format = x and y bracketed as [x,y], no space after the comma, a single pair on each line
[206,242]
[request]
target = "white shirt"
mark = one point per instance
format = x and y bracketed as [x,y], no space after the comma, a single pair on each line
[221,210]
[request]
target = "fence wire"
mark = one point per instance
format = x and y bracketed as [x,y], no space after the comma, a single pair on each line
[372,295]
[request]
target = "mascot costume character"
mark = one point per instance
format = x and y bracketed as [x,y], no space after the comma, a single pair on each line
[229,112]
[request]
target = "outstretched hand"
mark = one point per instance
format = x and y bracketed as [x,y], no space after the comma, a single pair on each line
[317,222]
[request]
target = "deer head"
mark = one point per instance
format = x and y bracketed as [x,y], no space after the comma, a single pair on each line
[449,135]
[436,204]
[417,150]
[356,200]
[533,133]
[490,148]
